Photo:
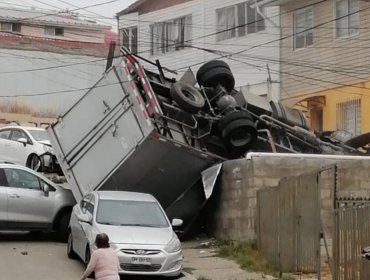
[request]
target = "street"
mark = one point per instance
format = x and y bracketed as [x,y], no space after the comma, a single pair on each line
[38,256]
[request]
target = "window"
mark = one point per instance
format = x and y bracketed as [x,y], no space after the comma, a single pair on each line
[16,134]
[129,38]
[10,27]
[303,32]
[4,134]
[349,116]
[124,212]
[87,204]
[170,35]
[22,179]
[54,31]
[347,17]
[239,20]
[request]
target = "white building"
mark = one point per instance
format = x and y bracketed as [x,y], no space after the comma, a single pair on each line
[187,33]
[48,59]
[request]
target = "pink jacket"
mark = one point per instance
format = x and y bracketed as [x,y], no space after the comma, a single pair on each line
[104,262]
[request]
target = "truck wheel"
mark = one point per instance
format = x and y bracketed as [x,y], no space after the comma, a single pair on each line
[70,252]
[216,75]
[62,227]
[187,97]
[210,65]
[238,132]
[233,116]
[239,135]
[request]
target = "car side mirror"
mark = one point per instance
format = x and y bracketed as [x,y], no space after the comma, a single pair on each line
[46,189]
[84,218]
[23,141]
[177,222]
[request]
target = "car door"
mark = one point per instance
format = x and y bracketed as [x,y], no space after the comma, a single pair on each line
[28,206]
[20,151]
[5,145]
[82,232]
[3,200]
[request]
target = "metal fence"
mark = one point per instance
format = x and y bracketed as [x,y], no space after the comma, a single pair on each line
[289,224]
[351,235]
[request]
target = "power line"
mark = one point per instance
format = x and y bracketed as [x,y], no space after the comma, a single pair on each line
[61,91]
[73,10]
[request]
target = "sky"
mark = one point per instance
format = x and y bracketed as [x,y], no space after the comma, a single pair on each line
[103,14]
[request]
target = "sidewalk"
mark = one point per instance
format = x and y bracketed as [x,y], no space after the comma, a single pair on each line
[201,263]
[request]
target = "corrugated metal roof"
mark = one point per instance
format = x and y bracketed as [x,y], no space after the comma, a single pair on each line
[46,17]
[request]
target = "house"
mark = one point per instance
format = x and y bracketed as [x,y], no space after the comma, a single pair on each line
[325,62]
[48,58]
[188,33]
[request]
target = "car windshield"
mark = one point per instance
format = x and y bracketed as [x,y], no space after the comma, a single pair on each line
[39,135]
[130,213]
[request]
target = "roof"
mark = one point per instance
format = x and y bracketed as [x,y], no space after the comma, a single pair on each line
[24,127]
[132,8]
[123,195]
[47,17]
[15,41]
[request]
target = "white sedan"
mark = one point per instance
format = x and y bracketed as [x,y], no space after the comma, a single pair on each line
[28,146]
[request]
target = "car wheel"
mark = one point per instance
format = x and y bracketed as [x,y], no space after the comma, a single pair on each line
[87,255]
[187,97]
[70,252]
[62,227]
[87,260]
[34,162]
[216,73]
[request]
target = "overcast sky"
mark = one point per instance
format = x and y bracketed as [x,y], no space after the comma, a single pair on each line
[100,12]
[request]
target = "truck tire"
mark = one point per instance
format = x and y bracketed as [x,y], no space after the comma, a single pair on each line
[187,97]
[209,66]
[233,116]
[217,75]
[238,132]
[70,252]
[238,136]
[62,227]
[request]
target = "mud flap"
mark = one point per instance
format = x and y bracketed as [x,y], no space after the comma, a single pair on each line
[209,178]
[189,204]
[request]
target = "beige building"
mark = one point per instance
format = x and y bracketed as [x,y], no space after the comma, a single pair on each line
[325,62]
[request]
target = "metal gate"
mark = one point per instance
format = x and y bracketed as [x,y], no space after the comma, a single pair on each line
[351,235]
[289,224]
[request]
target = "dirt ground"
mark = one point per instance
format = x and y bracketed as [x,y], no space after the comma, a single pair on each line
[202,263]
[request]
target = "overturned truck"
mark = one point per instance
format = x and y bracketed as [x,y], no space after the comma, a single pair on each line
[139,130]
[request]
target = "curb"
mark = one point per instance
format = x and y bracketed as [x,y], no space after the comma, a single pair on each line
[188,275]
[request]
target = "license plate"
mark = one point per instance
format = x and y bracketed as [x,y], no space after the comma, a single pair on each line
[141,260]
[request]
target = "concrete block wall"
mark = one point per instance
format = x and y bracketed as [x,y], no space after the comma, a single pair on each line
[233,209]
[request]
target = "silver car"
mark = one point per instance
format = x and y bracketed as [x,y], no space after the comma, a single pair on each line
[138,229]
[31,202]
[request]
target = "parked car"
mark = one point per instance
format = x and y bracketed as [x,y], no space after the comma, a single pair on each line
[28,146]
[30,202]
[138,229]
